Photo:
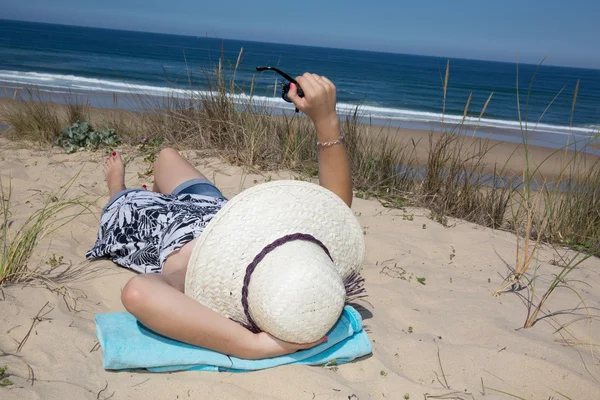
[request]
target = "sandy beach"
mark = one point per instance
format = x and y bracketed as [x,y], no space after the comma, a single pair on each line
[444,338]
[506,156]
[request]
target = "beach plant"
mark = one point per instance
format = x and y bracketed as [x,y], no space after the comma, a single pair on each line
[536,303]
[382,166]
[573,203]
[17,245]
[456,181]
[149,149]
[537,216]
[55,261]
[571,208]
[81,135]
[30,116]
[528,225]
[4,381]
[77,110]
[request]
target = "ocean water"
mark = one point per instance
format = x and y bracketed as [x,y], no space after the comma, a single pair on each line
[396,89]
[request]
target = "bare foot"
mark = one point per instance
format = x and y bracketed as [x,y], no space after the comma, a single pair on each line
[115,174]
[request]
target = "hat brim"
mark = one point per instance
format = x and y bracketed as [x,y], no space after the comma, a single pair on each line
[257,217]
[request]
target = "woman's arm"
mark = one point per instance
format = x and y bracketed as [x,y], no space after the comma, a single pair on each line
[319,104]
[154,299]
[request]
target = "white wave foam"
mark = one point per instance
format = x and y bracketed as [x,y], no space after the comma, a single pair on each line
[428,117]
[72,82]
[79,82]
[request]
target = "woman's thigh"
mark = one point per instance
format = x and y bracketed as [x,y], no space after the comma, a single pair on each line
[171,170]
[175,266]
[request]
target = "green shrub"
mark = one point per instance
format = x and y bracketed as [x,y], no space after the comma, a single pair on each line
[81,136]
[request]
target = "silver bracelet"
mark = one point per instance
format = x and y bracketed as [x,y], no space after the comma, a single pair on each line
[329,144]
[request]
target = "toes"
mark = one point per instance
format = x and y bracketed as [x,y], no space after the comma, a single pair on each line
[113,156]
[116,157]
[113,161]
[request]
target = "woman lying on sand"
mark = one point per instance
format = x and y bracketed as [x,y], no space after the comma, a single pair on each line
[134,234]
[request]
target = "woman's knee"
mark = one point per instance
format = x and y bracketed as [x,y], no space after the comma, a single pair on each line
[164,155]
[168,152]
[134,293]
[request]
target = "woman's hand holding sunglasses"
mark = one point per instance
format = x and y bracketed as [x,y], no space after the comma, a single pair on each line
[315,96]
[319,99]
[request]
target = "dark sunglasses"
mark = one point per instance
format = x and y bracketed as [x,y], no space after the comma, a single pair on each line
[285,87]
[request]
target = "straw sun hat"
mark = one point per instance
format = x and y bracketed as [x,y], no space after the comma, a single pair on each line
[281,257]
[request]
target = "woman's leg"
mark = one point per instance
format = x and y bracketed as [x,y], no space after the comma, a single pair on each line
[115,174]
[171,170]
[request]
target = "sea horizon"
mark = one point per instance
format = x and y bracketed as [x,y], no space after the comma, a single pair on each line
[303,45]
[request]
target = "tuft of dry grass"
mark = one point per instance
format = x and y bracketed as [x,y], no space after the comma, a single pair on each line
[456,183]
[29,117]
[77,109]
[564,211]
[572,207]
[381,166]
[17,246]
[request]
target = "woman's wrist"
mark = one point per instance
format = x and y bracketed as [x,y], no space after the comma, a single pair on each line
[328,129]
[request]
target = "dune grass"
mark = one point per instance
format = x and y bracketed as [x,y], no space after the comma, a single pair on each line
[563,211]
[30,118]
[573,208]
[77,109]
[17,245]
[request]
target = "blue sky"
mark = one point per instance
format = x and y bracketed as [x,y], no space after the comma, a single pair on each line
[567,32]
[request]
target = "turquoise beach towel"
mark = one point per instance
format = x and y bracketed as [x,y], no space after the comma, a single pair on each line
[128,345]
